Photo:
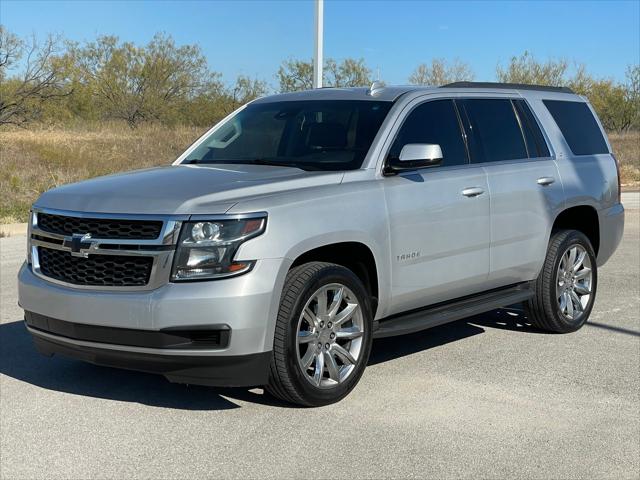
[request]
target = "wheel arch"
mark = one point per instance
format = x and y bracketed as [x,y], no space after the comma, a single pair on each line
[583,218]
[352,254]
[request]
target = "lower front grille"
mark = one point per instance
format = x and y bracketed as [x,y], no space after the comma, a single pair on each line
[96,270]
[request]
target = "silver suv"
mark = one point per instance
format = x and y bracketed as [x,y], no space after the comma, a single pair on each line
[304,225]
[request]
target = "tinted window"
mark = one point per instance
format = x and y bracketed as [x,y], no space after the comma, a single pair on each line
[312,135]
[495,132]
[433,122]
[535,140]
[580,129]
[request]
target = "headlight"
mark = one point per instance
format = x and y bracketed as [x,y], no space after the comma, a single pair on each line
[206,248]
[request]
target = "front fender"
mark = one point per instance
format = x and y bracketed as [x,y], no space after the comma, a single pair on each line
[309,219]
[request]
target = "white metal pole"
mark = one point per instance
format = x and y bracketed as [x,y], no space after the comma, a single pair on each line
[317,58]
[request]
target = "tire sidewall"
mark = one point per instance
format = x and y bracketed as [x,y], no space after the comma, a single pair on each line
[573,239]
[317,396]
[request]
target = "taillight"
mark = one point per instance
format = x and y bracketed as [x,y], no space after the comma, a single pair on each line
[618,173]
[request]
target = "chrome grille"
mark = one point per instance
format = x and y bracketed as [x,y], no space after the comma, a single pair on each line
[100,227]
[96,270]
[103,251]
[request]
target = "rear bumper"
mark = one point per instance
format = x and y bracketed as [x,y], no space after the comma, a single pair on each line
[184,363]
[611,230]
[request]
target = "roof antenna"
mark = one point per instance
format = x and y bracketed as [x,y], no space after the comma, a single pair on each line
[376,88]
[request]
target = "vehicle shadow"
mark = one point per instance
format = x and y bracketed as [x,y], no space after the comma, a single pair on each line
[20,360]
[509,318]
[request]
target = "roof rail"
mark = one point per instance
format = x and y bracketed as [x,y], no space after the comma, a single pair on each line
[513,86]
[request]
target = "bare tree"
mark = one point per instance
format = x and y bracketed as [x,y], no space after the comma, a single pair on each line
[441,73]
[633,95]
[40,77]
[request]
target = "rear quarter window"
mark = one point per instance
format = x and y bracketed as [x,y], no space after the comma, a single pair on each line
[578,126]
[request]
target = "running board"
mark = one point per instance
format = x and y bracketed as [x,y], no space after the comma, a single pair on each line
[442,313]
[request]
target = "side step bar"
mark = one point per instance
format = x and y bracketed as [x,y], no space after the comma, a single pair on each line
[442,313]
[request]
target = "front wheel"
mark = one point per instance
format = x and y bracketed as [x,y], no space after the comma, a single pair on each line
[566,287]
[323,335]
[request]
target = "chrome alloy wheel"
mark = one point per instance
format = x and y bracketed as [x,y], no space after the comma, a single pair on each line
[330,331]
[574,282]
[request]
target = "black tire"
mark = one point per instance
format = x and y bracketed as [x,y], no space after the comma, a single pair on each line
[286,377]
[543,310]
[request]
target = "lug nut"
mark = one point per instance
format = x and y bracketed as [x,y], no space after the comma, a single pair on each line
[319,345]
[330,325]
[332,336]
[327,346]
[321,324]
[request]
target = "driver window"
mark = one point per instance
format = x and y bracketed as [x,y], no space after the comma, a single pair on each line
[433,122]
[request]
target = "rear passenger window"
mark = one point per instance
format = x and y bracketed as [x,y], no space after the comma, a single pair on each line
[580,129]
[433,122]
[495,132]
[536,144]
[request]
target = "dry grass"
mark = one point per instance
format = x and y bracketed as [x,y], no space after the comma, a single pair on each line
[33,161]
[626,147]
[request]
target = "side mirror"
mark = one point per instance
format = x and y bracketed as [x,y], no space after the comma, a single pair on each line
[417,155]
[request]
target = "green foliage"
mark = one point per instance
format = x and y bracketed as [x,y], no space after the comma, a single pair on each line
[349,73]
[141,83]
[440,73]
[56,82]
[296,75]
[526,69]
[616,104]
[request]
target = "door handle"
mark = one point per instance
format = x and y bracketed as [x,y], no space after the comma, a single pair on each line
[544,181]
[472,191]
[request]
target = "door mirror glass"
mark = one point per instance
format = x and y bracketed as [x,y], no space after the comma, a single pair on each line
[417,155]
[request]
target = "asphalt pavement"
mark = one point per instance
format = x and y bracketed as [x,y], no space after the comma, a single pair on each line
[485,397]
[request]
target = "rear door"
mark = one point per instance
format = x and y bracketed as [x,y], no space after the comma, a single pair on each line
[524,183]
[438,225]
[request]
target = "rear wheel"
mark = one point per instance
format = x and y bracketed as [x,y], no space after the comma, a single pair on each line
[566,287]
[323,335]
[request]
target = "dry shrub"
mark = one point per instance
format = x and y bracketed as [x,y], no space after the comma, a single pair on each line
[626,147]
[33,161]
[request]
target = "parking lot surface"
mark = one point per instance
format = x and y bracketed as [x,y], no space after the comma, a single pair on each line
[486,397]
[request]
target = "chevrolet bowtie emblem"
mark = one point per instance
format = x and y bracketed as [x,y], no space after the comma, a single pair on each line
[75,242]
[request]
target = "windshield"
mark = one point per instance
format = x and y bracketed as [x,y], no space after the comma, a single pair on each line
[312,135]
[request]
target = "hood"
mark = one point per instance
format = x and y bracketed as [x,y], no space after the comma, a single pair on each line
[180,189]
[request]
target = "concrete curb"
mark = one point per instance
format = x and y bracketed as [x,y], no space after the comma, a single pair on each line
[13,229]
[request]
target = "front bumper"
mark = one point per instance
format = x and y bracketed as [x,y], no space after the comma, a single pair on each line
[177,367]
[246,305]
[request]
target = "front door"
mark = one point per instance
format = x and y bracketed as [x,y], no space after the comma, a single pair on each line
[438,216]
